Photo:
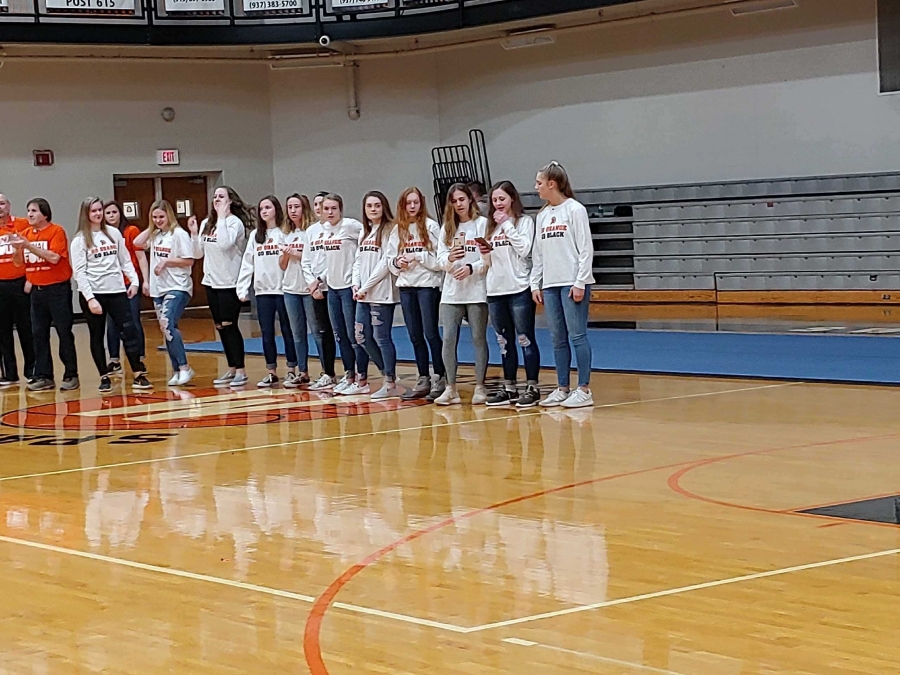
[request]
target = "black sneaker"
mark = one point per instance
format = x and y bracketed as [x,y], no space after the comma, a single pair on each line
[501,398]
[6,382]
[529,398]
[268,381]
[41,384]
[105,385]
[141,382]
[114,368]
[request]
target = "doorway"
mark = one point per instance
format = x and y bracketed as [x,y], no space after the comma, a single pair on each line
[188,195]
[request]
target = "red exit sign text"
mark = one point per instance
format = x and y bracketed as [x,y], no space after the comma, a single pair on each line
[167,157]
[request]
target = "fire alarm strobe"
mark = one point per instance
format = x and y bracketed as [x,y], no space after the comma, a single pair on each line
[43,158]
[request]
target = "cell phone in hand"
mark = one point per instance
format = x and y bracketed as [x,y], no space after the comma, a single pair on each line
[481,241]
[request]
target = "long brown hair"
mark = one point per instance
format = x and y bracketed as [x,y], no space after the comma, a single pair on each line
[515,208]
[172,220]
[84,221]
[237,208]
[387,218]
[306,214]
[124,223]
[555,172]
[261,226]
[451,220]
[421,221]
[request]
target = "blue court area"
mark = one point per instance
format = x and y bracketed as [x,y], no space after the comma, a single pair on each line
[827,358]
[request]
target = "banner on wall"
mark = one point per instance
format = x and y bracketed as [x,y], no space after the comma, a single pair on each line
[195,6]
[357,4]
[273,5]
[91,6]
[4,6]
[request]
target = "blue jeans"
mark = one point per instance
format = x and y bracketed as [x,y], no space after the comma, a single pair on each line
[169,309]
[567,320]
[267,306]
[342,310]
[420,314]
[512,317]
[300,317]
[373,333]
[114,338]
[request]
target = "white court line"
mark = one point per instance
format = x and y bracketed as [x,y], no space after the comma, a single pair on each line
[587,655]
[140,462]
[227,582]
[683,589]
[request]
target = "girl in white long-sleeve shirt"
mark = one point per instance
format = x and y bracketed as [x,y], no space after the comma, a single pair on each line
[561,280]
[464,294]
[412,258]
[510,237]
[261,265]
[99,259]
[375,291]
[221,240]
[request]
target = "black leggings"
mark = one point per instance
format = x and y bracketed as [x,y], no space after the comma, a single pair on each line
[225,308]
[118,309]
[326,334]
[15,311]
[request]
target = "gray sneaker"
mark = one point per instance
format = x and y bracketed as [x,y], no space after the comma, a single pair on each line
[423,386]
[438,386]
[70,384]
[240,380]
[41,384]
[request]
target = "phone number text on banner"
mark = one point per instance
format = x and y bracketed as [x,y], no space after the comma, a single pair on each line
[273,5]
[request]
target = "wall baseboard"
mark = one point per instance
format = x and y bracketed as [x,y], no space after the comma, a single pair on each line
[886,297]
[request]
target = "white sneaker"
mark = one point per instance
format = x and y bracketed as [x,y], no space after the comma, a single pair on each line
[449,397]
[388,390]
[174,381]
[344,382]
[480,397]
[185,376]
[324,383]
[224,380]
[579,398]
[555,398]
[240,380]
[354,389]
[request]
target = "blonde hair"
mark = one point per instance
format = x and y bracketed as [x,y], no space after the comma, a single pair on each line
[555,172]
[306,214]
[421,221]
[84,221]
[451,219]
[171,219]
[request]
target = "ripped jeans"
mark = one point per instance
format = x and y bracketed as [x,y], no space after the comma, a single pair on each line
[169,308]
[374,323]
[512,317]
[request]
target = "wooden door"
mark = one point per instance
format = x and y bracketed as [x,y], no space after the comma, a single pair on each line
[191,189]
[140,191]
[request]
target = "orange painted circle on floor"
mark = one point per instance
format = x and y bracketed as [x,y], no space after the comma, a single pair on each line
[195,409]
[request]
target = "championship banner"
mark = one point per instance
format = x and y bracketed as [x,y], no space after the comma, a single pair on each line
[90,6]
[356,4]
[195,6]
[273,6]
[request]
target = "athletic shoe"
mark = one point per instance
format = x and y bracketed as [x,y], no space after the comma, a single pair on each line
[141,382]
[185,376]
[41,384]
[354,389]
[421,390]
[292,381]
[70,384]
[4,383]
[288,380]
[240,380]
[173,382]
[480,396]
[114,368]
[555,398]
[224,380]
[529,398]
[438,386]
[579,398]
[448,397]
[268,381]
[105,385]
[388,390]
[344,382]
[324,383]
[501,398]
[302,380]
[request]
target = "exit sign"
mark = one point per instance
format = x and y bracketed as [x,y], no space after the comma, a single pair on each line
[167,157]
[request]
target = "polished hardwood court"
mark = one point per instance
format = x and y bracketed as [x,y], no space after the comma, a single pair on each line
[259,532]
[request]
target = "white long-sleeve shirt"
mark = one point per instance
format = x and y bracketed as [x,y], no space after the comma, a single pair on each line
[370,271]
[164,246]
[563,252]
[313,262]
[510,269]
[424,271]
[99,269]
[221,251]
[472,289]
[294,280]
[261,267]
[340,244]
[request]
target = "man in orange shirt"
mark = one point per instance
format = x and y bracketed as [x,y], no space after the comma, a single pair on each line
[43,249]
[15,303]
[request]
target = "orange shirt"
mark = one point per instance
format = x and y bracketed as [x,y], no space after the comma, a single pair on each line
[8,269]
[37,270]
[130,234]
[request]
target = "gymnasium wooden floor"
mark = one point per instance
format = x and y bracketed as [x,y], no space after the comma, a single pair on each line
[273,532]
